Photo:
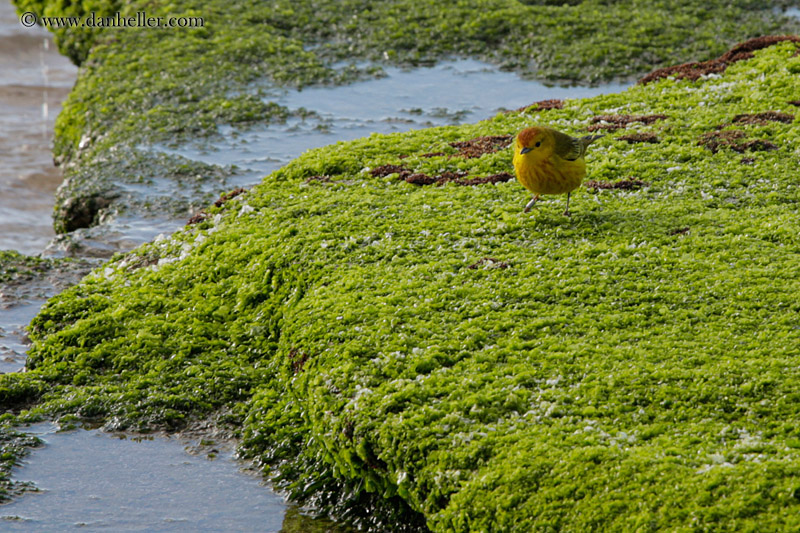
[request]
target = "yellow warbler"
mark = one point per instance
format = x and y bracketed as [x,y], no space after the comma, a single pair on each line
[550,162]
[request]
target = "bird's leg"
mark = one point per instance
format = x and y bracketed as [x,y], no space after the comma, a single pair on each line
[566,211]
[530,204]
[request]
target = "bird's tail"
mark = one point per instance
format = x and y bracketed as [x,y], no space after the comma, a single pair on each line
[586,141]
[589,139]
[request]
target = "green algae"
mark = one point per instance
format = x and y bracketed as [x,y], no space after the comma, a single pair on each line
[13,447]
[295,522]
[183,185]
[294,43]
[354,328]
[632,367]
[15,266]
[170,85]
[594,40]
[24,278]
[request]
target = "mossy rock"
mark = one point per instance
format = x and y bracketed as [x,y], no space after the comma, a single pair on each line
[14,445]
[632,367]
[144,86]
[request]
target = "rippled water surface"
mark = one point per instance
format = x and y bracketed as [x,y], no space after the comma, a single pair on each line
[452,92]
[91,480]
[13,339]
[34,80]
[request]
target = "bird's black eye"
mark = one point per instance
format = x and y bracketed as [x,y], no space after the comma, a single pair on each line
[538,143]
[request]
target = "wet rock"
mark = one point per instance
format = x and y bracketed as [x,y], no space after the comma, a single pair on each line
[24,278]
[13,447]
[128,197]
[81,212]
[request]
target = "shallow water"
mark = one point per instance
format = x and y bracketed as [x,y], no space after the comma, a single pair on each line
[13,339]
[34,80]
[90,479]
[451,92]
[96,481]
[20,301]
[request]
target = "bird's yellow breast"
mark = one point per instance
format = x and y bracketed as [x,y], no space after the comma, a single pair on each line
[547,173]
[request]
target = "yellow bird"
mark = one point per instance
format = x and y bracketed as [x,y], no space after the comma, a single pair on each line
[550,162]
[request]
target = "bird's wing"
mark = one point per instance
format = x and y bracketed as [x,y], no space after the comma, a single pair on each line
[567,147]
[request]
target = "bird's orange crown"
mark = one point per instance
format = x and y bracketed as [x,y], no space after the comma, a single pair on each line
[528,136]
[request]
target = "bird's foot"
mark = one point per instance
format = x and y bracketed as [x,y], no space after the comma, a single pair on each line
[567,213]
[530,205]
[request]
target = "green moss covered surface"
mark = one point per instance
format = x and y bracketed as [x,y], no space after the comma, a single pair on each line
[13,446]
[185,81]
[631,368]
[24,279]
[15,266]
[139,86]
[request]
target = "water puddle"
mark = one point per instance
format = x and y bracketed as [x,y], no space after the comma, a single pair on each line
[452,92]
[13,339]
[93,480]
[123,234]
[34,80]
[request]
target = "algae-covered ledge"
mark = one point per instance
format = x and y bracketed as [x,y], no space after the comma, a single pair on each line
[142,88]
[387,334]
[431,352]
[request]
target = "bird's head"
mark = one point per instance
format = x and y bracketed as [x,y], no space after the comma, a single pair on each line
[534,140]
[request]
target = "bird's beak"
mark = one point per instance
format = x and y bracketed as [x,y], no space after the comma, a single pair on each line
[525,150]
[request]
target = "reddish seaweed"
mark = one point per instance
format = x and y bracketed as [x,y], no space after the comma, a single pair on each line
[297,359]
[457,178]
[481,145]
[646,137]
[543,105]
[615,122]
[696,69]
[386,170]
[629,183]
[201,215]
[494,178]
[715,140]
[764,118]
[228,196]
[678,231]
[197,218]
